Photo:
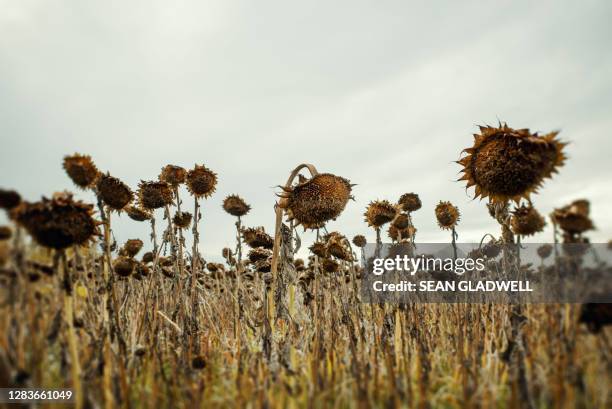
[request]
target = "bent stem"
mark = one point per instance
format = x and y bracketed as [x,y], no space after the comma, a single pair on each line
[277,238]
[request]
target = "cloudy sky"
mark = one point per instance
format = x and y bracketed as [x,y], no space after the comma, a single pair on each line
[386,94]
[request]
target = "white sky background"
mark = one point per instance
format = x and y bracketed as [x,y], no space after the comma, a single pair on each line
[386,94]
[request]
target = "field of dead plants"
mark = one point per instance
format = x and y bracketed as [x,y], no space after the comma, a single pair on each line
[124,327]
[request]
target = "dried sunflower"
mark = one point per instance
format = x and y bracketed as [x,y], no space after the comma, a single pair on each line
[264,265]
[318,249]
[124,266]
[337,246]
[360,241]
[510,164]
[173,175]
[574,218]
[379,213]
[527,221]
[154,195]
[182,220]
[148,257]
[394,233]
[235,205]
[259,253]
[545,250]
[138,214]
[201,181]
[9,199]
[409,202]
[59,222]
[257,237]
[113,192]
[313,202]
[81,169]
[401,221]
[132,247]
[447,215]
[330,266]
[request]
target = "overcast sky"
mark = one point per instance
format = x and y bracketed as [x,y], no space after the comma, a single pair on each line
[386,94]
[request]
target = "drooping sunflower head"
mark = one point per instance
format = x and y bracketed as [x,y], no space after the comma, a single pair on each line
[509,164]
[330,266]
[447,215]
[154,195]
[545,250]
[59,222]
[148,257]
[173,175]
[132,247]
[113,192]
[313,202]
[574,218]
[182,220]
[379,213]
[201,181]
[81,169]
[527,221]
[138,214]
[257,237]
[9,199]
[401,221]
[236,206]
[259,253]
[360,241]
[338,246]
[409,202]
[396,234]
[319,249]
[124,266]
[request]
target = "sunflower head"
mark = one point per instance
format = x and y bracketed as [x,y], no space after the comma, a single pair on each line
[201,181]
[527,221]
[138,214]
[360,241]
[337,246]
[132,247]
[318,249]
[396,234]
[545,250]
[59,222]
[313,202]
[447,215]
[259,253]
[154,195]
[173,175]
[148,257]
[235,205]
[573,218]
[401,221]
[81,169]
[409,202]
[124,266]
[329,266]
[379,213]
[509,164]
[257,237]
[113,192]
[182,220]
[9,199]
[264,265]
